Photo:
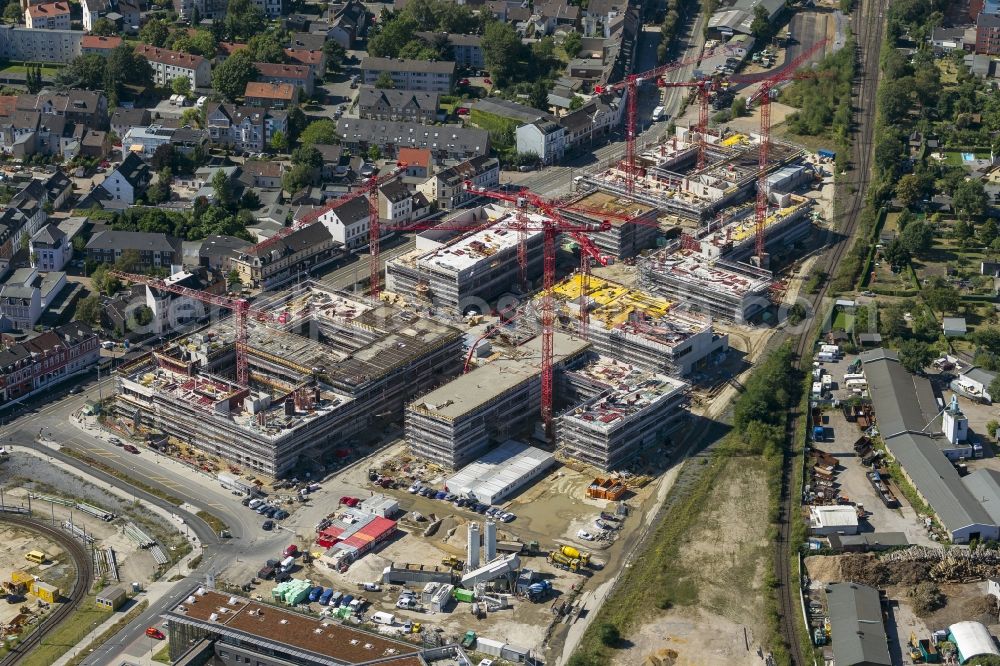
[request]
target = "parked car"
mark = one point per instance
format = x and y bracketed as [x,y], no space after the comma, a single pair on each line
[291,550]
[268,525]
[585,535]
[315,593]
[245,501]
[346,600]
[280,514]
[130,448]
[415,488]
[441,494]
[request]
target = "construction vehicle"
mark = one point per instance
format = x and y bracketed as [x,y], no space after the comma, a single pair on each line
[452,562]
[923,649]
[469,640]
[575,553]
[564,562]
[537,591]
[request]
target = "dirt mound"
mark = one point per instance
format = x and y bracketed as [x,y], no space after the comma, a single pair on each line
[867,569]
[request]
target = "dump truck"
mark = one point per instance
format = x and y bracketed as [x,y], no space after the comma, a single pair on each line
[557,558]
[574,553]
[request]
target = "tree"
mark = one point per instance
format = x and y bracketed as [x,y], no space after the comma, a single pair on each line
[143,315]
[575,103]
[942,297]
[155,32]
[970,199]
[203,43]
[159,191]
[321,131]
[915,355]
[501,51]
[124,67]
[297,177]
[539,96]
[738,108]
[917,237]
[393,36]
[223,189]
[233,279]
[231,77]
[896,253]
[335,55]
[572,44]
[374,153]
[104,282]
[307,156]
[12,12]
[761,25]
[384,81]
[89,310]
[33,79]
[85,71]
[909,190]
[265,48]
[609,634]
[279,142]
[181,85]
[104,27]
[243,19]
[987,232]
[962,231]
[994,425]
[892,321]
[193,117]
[128,261]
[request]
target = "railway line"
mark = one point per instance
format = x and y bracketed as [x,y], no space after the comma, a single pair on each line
[84,577]
[868,25]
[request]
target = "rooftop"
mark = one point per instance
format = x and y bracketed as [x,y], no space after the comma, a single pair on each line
[267,90]
[608,203]
[498,469]
[401,65]
[485,382]
[166,56]
[858,635]
[479,246]
[690,266]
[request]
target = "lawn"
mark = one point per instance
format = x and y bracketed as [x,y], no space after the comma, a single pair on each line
[843,321]
[954,157]
[47,70]
[84,620]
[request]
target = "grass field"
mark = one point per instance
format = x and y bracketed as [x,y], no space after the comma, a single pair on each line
[954,157]
[843,321]
[87,618]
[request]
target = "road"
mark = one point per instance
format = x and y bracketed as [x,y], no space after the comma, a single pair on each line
[868,25]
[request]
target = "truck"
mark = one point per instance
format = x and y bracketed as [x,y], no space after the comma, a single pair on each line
[825,357]
[575,553]
[469,640]
[537,591]
[381,617]
[832,349]
[570,563]
[826,154]
[287,563]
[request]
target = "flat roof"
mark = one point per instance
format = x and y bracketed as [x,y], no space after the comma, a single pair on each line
[614,204]
[691,266]
[264,625]
[499,469]
[481,245]
[485,382]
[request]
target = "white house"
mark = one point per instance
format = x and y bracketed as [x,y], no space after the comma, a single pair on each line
[395,203]
[47,16]
[131,174]
[348,223]
[168,65]
[49,248]
[545,138]
[92,10]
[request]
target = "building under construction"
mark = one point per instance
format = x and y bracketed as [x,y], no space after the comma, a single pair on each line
[626,237]
[646,331]
[471,271]
[334,365]
[454,424]
[629,411]
[735,238]
[721,289]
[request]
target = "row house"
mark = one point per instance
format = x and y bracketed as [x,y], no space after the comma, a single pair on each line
[154,250]
[314,59]
[448,186]
[87,107]
[446,142]
[398,105]
[302,250]
[271,95]
[243,128]
[33,366]
[99,44]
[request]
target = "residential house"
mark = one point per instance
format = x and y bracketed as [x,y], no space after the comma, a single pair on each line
[77,106]
[348,223]
[466,50]
[349,22]
[26,295]
[264,174]
[145,140]
[447,187]
[296,75]
[98,44]
[418,162]
[218,252]
[315,60]
[271,95]
[122,120]
[398,105]
[272,8]
[47,16]
[561,14]
[131,15]
[26,45]
[988,34]
[49,248]
[127,180]
[597,117]
[153,250]
[300,251]
[427,76]
[169,65]
[93,10]
[331,154]
[33,366]
[544,138]
[395,203]
[207,10]
[446,142]
[25,212]
[244,128]
[55,190]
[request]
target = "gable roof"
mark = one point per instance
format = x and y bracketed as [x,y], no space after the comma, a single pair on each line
[857,632]
[407,65]
[415,157]
[268,90]
[100,42]
[414,135]
[398,99]
[133,170]
[282,71]
[48,10]
[109,239]
[168,57]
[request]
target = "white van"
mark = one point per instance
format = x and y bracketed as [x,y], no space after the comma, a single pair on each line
[254,503]
[383,618]
[659,113]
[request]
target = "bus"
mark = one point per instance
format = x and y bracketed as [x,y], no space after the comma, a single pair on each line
[36,556]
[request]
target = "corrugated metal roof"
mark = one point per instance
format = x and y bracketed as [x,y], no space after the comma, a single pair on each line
[856,631]
[903,402]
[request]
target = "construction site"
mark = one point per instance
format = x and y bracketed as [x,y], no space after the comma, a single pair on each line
[326,369]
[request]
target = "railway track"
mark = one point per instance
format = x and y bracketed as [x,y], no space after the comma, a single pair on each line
[868,25]
[84,577]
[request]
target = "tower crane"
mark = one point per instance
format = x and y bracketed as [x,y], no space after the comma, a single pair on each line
[240,307]
[368,189]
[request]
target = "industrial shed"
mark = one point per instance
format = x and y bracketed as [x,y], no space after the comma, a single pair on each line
[972,639]
[856,630]
[826,520]
[501,473]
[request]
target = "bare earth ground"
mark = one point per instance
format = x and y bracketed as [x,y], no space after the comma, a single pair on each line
[723,560]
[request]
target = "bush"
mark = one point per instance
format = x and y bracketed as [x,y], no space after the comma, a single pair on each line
[609,634]
[925,598]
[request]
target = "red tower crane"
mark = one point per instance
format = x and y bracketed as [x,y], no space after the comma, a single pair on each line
[763,94]
[551,225]
[240,307]
[370,189]
[631,87]
[703,90]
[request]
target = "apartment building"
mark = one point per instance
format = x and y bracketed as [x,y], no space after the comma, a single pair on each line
[47,16]
[296,75]
[33,366]
[433,76]
[242,127]
[398,105]
[168,65]
[446,142]
[26,45]
[153,250]
[447,187]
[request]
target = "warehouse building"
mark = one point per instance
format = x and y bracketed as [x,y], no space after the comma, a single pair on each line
[905,405]
[501,473]
[632,326]
[331,366]
[631,412]
[728,291]
[471,271]
[455,424]
[972,639]
[857,634]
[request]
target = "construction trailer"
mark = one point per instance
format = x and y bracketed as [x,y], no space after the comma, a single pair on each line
[336,364]
[625,412]
[639,328]
[473,270]
[607,489]
[408,574]
[728,291]
[456,423]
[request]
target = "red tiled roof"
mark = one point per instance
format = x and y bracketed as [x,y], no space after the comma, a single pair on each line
[168,57]
[415,157]
[304,56]
[48,9]
[100,42]
[229,48]
[279,71]
[266,90]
